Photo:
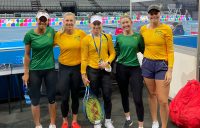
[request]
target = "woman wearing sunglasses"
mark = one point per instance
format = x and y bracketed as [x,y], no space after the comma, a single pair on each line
[157,64]
[39,65]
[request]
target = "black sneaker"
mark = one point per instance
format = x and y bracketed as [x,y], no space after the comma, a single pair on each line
[128,124]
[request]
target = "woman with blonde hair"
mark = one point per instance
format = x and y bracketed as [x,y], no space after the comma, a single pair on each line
[69,81]
[97,53]
[128,71]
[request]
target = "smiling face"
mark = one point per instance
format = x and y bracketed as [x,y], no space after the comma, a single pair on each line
[154,16]
[42,22]
[126,23]
[69,22]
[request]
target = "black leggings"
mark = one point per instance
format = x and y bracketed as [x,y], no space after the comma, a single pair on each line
[69,81]
[101,79]
[128,75]
[35,82]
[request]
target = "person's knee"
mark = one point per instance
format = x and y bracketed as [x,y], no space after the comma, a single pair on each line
[107,96]
[61,90]
[163,103]
[152,95]
[51,100]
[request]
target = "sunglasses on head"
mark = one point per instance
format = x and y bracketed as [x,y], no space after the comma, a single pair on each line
[43,19]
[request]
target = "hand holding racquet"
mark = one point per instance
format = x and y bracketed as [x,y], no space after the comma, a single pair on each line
[92,107]
[85,79]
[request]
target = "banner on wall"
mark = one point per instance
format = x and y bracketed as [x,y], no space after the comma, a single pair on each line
[29,22]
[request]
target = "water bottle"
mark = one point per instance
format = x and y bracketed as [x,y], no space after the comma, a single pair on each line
[26,96]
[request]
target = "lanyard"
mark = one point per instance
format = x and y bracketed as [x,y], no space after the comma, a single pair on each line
[98,50]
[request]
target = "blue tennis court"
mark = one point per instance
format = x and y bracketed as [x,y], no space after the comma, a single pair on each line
[12,47]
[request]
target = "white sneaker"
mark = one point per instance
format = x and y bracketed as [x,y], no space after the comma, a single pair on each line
[108,123]
[40,126]
[155,124]
[97,125]
[52,126]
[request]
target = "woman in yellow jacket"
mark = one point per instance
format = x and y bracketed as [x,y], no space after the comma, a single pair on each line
[97,52]
[157,64]
[69,40]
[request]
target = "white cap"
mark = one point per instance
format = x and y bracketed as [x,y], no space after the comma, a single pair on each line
[95,18]
[40,14]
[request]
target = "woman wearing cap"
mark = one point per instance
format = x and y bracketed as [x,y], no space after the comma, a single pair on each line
[128,71]
[157,64]
[97,52]
[69,40]
[38,65]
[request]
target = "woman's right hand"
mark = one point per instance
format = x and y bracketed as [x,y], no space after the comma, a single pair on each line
[25,79]
[85,79]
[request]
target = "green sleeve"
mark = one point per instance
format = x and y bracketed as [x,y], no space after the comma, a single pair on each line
[27,38]
[117,49]
[141,44]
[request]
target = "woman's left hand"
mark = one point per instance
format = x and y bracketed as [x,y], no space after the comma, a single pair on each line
[103,65]
[168,78]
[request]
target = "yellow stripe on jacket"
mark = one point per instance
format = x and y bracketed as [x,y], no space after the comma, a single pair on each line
[159,43]
[70,47]
[89,55]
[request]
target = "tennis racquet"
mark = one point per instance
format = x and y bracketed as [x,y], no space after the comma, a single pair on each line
[92,107]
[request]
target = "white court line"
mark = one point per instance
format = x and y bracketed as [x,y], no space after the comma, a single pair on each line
[11,49]
[186,35]
[2,41]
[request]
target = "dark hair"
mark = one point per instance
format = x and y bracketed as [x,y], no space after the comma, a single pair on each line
[44,10]
[96,22]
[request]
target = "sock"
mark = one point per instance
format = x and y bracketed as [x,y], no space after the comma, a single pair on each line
[156,122]
[107,120]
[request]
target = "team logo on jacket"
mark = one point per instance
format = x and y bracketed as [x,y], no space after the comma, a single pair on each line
[135,38]
[49,34]
[159,32]
[77,38]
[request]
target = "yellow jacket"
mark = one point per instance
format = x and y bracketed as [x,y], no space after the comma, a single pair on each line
[159,43]
[70,47]
[89,54]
